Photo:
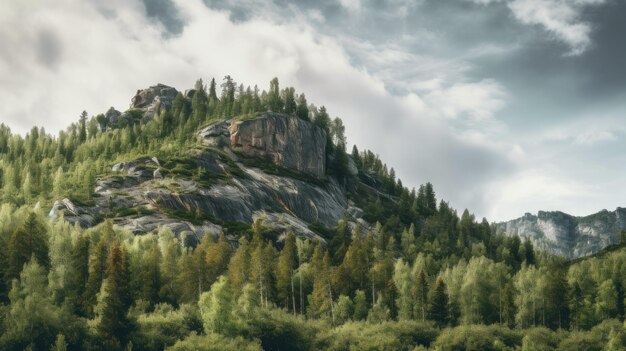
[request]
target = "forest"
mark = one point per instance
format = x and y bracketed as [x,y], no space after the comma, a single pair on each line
[422,277]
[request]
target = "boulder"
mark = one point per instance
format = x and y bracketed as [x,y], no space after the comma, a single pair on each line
[144,167]
[71,213]
[153,99]
[284,222]
[216,135]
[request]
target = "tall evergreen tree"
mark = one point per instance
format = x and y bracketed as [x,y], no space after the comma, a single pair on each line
[439,303]
[114,324]
[26,241]
[274,101]
[302,109]
[287,263]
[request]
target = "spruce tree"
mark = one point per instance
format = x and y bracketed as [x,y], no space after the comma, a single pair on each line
[287,262]
[302,109]
[26,241]
[439,304]
[114,324]
[97,269]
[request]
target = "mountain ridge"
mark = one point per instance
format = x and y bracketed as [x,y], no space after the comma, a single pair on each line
[567,235]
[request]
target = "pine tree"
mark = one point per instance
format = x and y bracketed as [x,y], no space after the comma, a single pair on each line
[26,241]
[151,275]
[287,263]
[78,274]
[114,324]
[170,291]
[290,101]
[439,304]
[217,258]
[302,109]
[82,133]
[274,101]
[239,267]
[97,270]
[321,300]
[420,295]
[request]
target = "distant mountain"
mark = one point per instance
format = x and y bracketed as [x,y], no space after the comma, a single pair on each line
[568,235]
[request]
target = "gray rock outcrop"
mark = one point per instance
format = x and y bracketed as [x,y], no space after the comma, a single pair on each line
[287,141]
[153,99]
[567,235]
[72,213]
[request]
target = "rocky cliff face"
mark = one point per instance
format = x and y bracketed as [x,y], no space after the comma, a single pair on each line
[211,187]
[287,141]
[568,235]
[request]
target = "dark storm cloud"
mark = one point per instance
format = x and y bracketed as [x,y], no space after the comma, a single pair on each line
[165,11]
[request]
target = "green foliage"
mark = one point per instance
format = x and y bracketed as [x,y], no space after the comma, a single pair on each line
[390,286]
[215,342]
[216,307]
[478,337]
[384,336]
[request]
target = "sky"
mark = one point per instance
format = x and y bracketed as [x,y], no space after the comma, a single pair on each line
[506,106]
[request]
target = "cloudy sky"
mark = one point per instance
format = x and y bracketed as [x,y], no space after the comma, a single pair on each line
[506,106]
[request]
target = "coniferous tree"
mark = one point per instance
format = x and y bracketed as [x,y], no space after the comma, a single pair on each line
[274,101]
[78,273]
[287,263]
[302,109]
[217,258]
[26,241]
[82,127]
[439,303]
[151,274]
[97,270]
[170,291]
[290,101]
[239,267]
[420,295]
[114,324]
[320,300]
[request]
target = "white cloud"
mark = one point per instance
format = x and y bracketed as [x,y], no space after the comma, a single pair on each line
[561,18]
[594,137]
[111,49]
[479,100]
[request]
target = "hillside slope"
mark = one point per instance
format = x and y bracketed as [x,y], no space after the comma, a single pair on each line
[267,165]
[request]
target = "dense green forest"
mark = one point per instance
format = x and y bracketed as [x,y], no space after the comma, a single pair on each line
[421,278]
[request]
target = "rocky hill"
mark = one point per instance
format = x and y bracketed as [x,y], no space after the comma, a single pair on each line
[270,166]
[568,235]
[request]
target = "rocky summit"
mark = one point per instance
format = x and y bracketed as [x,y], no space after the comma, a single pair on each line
[568,235]
[270,166]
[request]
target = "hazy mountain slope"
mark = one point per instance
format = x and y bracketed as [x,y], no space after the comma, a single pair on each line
[567,235]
